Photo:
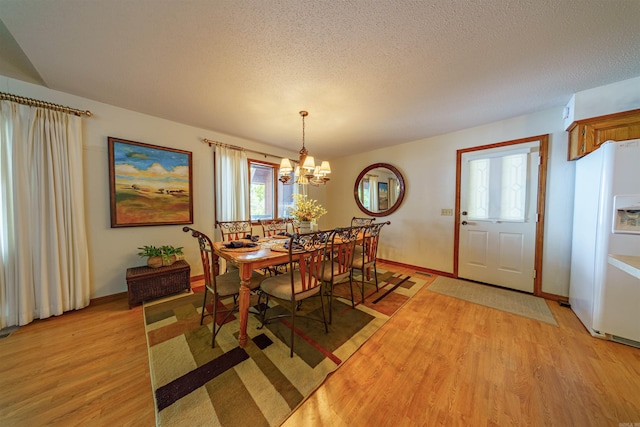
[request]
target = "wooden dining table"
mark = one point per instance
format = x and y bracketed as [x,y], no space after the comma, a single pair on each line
[269,252]
[247,261]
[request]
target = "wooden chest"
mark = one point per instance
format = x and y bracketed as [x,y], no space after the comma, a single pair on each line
[145,283]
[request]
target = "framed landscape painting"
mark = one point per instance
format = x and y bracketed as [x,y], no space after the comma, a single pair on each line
[149,184]
[383,196]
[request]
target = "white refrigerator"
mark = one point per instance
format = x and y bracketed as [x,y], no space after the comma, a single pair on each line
[605,278]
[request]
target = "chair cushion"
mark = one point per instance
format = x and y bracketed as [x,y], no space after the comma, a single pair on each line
[327,272]
[229,283]
[359,265]
[280,287]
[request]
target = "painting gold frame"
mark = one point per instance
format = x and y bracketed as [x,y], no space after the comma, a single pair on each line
[149,184]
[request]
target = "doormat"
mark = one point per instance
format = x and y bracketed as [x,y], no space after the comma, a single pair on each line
[490,296]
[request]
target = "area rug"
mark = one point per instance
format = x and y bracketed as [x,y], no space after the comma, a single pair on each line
[499,298]
[259,385]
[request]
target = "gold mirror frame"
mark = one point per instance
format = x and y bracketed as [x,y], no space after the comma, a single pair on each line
[400,190]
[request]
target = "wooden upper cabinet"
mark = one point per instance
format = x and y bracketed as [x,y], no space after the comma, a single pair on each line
[577,142]
[587,135]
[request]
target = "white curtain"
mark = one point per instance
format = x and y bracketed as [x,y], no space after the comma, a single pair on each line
[373,188]
[232,185]
[45,264]
[393,191]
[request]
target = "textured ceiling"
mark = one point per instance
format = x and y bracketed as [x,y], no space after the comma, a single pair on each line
[371,73]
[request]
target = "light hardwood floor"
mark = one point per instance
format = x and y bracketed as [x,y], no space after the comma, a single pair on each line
[439,361]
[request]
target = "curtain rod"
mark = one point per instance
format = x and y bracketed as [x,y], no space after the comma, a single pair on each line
[235,147]
[44,104]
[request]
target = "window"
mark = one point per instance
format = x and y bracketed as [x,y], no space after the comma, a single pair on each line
[269,197]
[497,187]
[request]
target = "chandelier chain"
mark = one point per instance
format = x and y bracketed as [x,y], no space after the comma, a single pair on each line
[303,114]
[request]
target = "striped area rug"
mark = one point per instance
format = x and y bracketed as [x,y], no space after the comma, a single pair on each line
[259,385]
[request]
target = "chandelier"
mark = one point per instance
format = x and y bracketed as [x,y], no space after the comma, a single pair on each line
[306,171]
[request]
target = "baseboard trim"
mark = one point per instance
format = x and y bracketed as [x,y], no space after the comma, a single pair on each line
[414,267]
[107,298]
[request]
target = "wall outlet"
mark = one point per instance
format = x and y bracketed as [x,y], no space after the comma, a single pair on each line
[446,212]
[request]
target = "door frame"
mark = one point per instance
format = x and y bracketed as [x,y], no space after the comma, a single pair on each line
[542,186]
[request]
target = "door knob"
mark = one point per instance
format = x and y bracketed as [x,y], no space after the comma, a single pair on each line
[464,223]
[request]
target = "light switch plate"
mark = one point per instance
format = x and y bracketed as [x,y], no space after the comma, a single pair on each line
[446,212]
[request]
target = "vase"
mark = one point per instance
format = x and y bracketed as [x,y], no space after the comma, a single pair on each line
[305,227]
[158,261]
[154,261]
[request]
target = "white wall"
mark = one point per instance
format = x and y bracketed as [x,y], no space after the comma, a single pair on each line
[420,236]
[613,98]
[113,250]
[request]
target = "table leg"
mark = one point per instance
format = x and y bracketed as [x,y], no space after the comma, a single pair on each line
[244,301]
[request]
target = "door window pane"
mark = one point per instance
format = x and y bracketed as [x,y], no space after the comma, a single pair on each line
[479,189]
[514,187]
[498,188]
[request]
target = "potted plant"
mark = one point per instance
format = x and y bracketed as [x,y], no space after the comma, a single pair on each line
[158,257]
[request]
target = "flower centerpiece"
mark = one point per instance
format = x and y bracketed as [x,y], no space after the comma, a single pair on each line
[305,210]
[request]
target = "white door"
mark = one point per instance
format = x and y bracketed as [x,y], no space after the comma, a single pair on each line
[498,200]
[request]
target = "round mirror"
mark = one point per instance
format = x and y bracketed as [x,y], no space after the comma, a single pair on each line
[379,189]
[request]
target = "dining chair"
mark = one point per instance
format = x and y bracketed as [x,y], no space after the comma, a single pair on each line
[234,230]
[359,222]
[294,224]
[339,261]
[298,284]
[365,259]
[274,227]
[221,286]
[271,228]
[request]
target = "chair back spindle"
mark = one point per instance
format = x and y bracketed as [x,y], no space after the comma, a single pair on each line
[273,227]
[307,253]
[359,222]
[233,230]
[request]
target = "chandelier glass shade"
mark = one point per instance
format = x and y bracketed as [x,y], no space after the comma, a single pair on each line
[306,171]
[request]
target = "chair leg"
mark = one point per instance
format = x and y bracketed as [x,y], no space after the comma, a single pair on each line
[324,316]
[263,309]
[330,302]
[214,332]
[216,328]
[204,303]
[353,304]
[293,324]
[375,274]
